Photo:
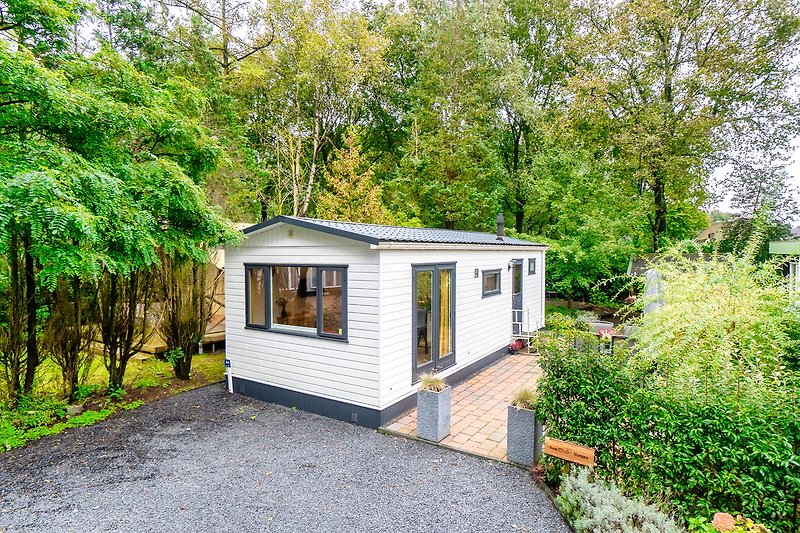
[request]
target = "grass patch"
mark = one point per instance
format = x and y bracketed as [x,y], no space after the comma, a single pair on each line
[145,381]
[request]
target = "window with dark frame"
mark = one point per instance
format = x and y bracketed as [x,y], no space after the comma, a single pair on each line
[532,265]
[491,282]
[288,299]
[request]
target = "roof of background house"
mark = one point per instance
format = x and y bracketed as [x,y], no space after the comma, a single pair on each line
[379,234]
[638,266]
[712,233]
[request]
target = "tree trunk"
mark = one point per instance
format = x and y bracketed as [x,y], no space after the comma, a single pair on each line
[16,319]
[519,200]
[32,360]
[225,38]
[660,209]
[519,218]
[109,327]
[183,366]
[313,170]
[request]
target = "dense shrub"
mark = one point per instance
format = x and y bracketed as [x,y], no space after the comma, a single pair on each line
[591,506]
[710,428]
[705,453]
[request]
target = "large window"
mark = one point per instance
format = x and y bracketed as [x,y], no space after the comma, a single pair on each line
[491,282]
[288,299]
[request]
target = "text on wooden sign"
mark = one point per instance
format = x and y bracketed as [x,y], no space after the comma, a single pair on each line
[569,451]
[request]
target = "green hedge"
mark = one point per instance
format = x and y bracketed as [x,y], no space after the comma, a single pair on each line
[713,450]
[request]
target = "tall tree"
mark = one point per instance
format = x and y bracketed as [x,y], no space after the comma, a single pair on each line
[679,82]
[449,174]
[351,193]
[101,167]
[302,98]
[532,91]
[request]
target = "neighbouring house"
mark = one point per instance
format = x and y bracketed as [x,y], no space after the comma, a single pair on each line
[713,233]
[341,318]
[790,250]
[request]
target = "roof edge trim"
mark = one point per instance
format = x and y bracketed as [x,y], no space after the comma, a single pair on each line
[309,225]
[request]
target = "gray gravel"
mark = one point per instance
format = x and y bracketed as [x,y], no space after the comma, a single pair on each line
[207,460]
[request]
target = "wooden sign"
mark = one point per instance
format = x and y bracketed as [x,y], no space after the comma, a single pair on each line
[569,451]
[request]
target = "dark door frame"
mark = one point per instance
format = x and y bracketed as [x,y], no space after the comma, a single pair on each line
[437,363]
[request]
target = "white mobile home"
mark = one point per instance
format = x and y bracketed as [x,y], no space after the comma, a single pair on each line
[341,318]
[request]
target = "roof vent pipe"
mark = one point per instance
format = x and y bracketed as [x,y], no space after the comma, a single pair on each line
[501,229]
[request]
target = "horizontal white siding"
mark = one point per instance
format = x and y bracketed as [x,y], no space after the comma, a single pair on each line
[483,325]
[345,371]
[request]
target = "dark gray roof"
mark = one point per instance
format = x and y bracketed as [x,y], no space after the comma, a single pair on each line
[638,266]
[377,234]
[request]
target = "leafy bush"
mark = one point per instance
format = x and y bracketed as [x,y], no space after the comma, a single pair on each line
[559,322]
[726,317]
[147,382]
[594,506]
[583,317]
[86,391]
[705,451]
[716,427]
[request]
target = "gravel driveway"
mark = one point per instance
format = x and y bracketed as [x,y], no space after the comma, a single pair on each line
[207,460]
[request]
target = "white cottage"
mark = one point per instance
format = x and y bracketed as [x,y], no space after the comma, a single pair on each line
[341,318]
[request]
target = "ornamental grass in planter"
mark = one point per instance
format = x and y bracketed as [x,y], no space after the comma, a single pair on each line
[433,408]
[524,432]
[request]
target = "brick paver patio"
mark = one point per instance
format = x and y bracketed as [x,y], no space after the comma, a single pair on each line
[479,410]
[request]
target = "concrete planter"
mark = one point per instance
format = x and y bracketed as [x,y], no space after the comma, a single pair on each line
[433,414]
[524,436]
[596,327]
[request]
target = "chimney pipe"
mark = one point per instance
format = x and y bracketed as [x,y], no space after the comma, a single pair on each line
[501,230]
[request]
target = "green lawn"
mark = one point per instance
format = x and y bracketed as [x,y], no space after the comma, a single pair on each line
[146,380]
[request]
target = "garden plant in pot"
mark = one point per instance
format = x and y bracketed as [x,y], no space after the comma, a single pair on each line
[433,408]
[524,432]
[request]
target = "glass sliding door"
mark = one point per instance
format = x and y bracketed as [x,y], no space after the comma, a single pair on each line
[423,351]
[433,318]
[444,354]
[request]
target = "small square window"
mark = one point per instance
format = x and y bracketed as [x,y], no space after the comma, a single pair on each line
[532,265]
[491,282]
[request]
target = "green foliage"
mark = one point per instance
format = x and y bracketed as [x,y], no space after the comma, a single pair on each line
[704,451]
[739,232]
[36,418]
[146,382]
[116,393]
[86,391]
[130,406]
[353,194]
[728,317]
[590,505]
[705,411]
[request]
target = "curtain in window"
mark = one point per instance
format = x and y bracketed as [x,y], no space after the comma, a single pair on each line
[445,331]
